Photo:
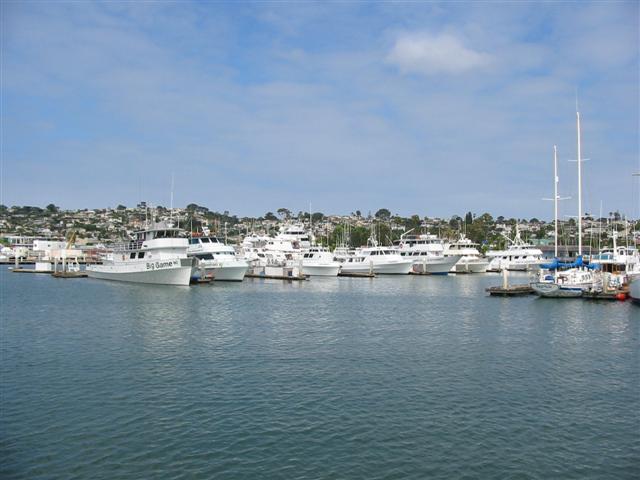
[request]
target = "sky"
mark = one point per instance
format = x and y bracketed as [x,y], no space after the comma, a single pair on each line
[420,107]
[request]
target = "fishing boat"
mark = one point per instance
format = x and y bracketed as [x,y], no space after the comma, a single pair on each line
[156,255]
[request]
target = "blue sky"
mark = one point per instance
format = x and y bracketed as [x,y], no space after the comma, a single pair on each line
[419,107]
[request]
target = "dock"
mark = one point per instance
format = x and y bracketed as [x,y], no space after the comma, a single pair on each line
[506,290]
[30,270]
[70,274]
[510,290]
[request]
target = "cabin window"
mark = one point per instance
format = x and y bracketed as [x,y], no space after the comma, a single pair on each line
[132,255]
[140,254]
[193,241]
[205,240]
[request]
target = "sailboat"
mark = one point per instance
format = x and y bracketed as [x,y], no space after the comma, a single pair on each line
[576,278]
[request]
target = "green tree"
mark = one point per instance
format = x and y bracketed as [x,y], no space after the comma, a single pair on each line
[455,222]
[383,214]
[468,218]
[51,208]
[284,213]
[359,236]
[270,216]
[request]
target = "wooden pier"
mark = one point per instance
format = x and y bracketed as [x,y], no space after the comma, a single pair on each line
[506,290]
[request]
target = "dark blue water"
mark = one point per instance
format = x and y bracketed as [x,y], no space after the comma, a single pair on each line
[412,377]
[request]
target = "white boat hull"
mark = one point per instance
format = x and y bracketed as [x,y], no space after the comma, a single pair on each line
[395,268]
[477,266]
[435,266]
[225,273]
[553,290]
[330,270]
[222,272]
[163,272]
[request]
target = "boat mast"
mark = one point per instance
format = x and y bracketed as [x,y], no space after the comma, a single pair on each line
[579,187]
[311,242]
[171,206]
[555,196]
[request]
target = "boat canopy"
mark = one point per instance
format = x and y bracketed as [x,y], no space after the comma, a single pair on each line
[557,264]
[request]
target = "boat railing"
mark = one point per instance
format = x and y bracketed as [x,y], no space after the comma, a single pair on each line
[127,246]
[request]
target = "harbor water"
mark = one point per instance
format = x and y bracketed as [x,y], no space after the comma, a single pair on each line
[343,378]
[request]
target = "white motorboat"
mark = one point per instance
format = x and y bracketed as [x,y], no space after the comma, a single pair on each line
[379,260]
[318,261]
[519,256]
[426,253]
[215,258]
[156,255]
[470,259]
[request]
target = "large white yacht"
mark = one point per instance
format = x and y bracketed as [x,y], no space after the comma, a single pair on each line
[518,256]
[470,259]
[217,259]
[156,255]
[379,260]
[426,253]
[296,234]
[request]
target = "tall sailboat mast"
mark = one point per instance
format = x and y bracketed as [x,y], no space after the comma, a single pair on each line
[555,196]
[579,187]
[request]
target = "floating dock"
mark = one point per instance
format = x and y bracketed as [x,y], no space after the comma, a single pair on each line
[510,290]
[30,270]
[70,274]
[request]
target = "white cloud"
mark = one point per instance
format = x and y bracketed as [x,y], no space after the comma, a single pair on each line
[428,54]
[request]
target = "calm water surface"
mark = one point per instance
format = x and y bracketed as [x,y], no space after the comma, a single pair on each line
[411,377]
